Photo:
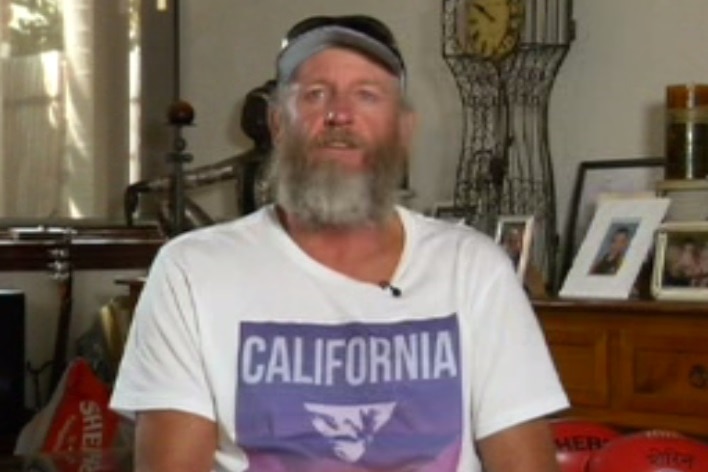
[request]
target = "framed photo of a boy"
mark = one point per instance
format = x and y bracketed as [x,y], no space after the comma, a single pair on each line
[514,234]
[610,256]
[617,243]
[681,262]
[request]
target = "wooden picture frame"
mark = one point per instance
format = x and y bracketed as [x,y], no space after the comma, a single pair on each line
[515,235]
[680,269]
[598,178]
[612,253]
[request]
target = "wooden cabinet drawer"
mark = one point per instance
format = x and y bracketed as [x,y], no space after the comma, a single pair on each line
[660,373]
[581,357]
[633,364]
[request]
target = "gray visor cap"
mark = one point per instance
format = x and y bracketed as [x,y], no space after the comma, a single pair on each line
[308,44]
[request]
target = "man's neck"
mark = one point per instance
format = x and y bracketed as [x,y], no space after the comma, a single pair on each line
[367,252]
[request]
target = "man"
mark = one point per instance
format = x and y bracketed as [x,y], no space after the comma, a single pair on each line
[683,263]
[612,259]
[513,243]
[335,331]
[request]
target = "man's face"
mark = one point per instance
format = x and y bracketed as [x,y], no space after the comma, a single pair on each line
[512,241]
[341,139]
[620,242]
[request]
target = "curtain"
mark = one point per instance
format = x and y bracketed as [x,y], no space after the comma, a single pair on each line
[69,110]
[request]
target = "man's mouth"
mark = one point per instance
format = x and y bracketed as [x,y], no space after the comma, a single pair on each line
[337,140]
[336,144]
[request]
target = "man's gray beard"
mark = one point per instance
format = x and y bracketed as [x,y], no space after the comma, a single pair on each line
[323,194]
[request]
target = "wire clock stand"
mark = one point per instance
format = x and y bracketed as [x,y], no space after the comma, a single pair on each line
[505,167]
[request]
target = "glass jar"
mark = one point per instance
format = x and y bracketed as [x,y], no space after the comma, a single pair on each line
[687,131]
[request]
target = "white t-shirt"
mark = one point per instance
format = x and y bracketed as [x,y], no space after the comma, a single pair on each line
[305,369]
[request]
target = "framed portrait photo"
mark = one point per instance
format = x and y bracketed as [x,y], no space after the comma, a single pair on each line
[515,234]
[681,262]
[599,179]
[611,255]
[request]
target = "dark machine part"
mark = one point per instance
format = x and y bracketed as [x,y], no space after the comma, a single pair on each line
[246,169]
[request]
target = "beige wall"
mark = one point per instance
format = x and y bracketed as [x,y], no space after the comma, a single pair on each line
[609,99]
[607,102]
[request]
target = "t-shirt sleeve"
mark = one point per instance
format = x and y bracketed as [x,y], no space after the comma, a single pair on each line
[513,376]
[162,367]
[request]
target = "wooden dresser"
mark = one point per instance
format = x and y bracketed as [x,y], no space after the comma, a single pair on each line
[634,364]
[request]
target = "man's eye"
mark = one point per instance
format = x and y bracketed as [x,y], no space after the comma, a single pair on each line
[314,95]
[368,95]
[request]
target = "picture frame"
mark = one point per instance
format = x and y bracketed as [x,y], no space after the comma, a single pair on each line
[599,179]
[680,269]
[515,235]
[617,243]
[448,211]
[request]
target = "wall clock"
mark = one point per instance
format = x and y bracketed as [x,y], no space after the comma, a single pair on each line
[504,56]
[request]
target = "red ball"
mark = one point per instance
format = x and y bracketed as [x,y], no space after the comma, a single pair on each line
[576,440]
[180,113]
[642,452]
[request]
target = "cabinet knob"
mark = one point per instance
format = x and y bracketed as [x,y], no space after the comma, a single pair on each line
[698,377]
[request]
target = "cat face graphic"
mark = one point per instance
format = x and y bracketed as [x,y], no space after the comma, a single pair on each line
[349,428]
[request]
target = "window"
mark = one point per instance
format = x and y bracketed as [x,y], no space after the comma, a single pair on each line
[73,89]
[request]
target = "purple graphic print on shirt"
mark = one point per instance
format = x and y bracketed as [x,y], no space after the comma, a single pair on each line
[351,397]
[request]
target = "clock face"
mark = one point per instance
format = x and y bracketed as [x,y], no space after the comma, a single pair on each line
[491,28]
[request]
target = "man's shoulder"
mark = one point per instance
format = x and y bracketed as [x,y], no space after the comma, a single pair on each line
[240,234]
[430,229]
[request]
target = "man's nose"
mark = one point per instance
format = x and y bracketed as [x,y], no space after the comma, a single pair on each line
[339,113]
